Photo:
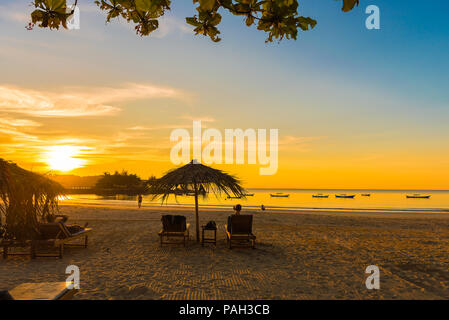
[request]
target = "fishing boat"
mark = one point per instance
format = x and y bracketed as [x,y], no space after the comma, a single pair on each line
[279,195]
[351,196]
[320,195]
[366,194]
[417,196]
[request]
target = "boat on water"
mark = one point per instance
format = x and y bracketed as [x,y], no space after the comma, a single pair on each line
[320,195]
[279,195]
[248,194]
[418,196]
[366,194]
[229,197]
[346,196]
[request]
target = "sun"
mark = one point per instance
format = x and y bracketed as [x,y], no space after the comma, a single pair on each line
[63,158]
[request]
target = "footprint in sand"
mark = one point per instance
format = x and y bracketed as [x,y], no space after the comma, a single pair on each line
[137,290]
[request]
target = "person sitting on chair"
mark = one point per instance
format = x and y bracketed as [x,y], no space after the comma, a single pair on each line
[237,208]
[52,218]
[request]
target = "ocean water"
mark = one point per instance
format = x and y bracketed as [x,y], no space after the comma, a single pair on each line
[391,200]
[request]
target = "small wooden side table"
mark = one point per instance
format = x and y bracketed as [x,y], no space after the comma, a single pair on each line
[208,240]
[7,244]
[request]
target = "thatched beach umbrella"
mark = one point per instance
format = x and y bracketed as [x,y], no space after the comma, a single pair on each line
[25,199]
[200,179]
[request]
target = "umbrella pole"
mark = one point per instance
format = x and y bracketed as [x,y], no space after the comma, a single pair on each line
[196,215]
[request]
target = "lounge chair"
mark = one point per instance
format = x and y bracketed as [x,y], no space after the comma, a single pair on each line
[58,235]
[240,230]
[39,291]
[174,227]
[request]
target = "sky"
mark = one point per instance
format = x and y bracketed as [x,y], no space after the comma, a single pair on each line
[355,108]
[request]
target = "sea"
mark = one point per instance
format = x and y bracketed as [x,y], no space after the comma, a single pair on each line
[298,199]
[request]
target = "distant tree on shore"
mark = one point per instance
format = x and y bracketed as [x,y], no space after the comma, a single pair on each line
[278,18]
[120,182]
[72,181]
[151,181]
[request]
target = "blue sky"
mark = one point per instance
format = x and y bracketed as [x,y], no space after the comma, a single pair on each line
[350,92]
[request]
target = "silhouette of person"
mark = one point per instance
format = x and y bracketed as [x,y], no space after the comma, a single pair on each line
[139,200]
[237,208]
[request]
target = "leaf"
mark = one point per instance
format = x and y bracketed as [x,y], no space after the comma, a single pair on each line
[193,22]
[56,5]
[134,16]
[304,23]
[142,5]
[215,20]
[249,20]
[279,19]
[37,16]
[207,5]
[348,5]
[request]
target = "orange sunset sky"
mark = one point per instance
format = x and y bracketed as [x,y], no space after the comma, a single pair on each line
[354,108]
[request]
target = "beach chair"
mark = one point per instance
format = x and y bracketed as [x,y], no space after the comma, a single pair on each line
[39,291]
[240,230]
[174,227]
[58,235]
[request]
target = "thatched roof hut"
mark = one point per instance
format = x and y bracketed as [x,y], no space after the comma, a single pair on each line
[25,199]
[199,178]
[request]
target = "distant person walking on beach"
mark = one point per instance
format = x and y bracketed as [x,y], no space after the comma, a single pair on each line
[139,200]
[262,207]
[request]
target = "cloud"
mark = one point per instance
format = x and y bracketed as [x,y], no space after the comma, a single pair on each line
[170,25]
[78,101]
[152,128]
[15,13]
[13,129]
[46,104]
[19,123]
[292,140]
[301,144]
[202,119]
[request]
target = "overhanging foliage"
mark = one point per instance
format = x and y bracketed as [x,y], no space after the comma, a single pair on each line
[278,18]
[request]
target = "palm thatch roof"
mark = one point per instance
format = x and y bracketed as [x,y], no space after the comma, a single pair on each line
[207,180]
[25,199]
[199,179]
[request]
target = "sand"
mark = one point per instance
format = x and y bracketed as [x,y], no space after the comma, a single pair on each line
[298,255]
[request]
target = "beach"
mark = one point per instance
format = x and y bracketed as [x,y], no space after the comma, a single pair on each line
[298,255]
